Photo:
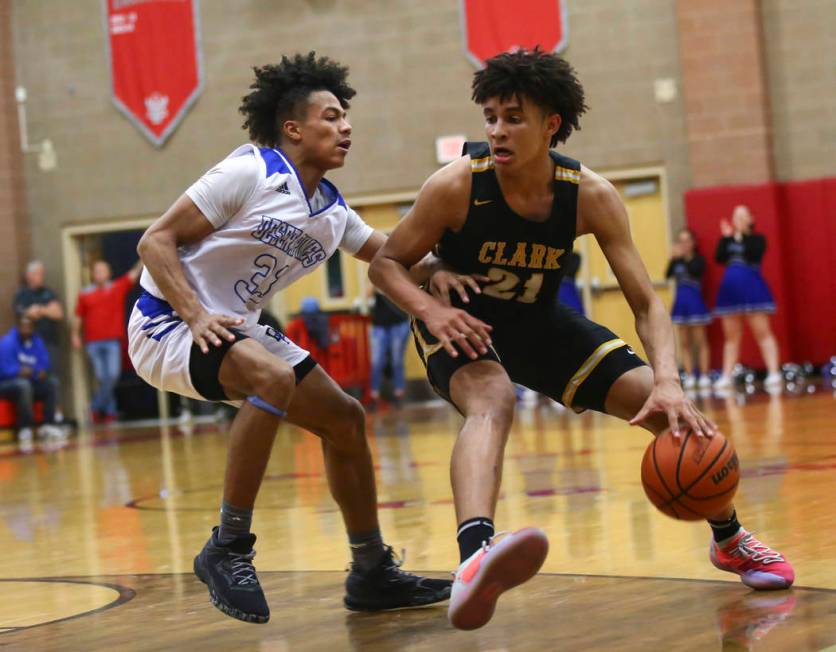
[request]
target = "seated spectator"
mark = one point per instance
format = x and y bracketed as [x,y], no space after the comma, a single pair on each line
[101,312]
[41,305]
[25,378]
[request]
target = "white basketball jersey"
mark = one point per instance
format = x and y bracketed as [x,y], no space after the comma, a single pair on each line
[267,232]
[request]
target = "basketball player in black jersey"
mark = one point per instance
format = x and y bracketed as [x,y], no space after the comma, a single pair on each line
[509,210]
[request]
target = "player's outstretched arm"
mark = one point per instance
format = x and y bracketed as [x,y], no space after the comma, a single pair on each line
[441,204]
[182,224]
[602,213]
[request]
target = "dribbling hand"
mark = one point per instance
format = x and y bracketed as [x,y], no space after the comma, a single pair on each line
[209,329]
[668,398]
[451,325]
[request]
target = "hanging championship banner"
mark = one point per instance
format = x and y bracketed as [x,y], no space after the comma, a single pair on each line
[155,67]
[493,26]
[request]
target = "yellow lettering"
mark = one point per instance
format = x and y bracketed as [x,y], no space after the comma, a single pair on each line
[538,252]
[551,258]
[518,259]
[484,253]
[499,258]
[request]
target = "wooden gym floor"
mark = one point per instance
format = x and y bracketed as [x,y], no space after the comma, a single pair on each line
[98,538]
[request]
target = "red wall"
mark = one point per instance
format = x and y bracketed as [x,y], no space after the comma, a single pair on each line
[799,221]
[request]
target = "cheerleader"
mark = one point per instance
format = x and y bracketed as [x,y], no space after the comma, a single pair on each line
[568,294]
[743,291]
[689,312]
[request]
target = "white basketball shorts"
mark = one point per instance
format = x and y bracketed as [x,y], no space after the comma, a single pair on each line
[160,348]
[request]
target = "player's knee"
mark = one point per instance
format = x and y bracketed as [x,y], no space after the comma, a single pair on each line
[348,432]
[275,382]
[497,406]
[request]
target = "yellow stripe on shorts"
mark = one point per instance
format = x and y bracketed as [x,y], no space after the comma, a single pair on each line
[588,367]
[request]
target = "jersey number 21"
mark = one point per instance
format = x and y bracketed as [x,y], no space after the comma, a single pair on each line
[506,285]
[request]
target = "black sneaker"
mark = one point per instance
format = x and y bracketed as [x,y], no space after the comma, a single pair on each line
[388,587]
[229,573]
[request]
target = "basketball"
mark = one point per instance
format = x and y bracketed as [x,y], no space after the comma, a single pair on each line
[691,477]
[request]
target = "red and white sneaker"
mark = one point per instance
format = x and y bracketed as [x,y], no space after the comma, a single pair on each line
[497,566]
[758,565]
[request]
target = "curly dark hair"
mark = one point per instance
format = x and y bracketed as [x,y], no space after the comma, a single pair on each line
[279,92]
[543,77]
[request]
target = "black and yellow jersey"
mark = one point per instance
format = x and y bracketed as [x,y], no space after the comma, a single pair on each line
[524,259]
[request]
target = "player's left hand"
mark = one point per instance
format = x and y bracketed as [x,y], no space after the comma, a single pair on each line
[443,282]
[668,398]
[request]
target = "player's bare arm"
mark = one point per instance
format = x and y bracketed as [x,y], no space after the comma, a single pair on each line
[602,213]
[182,224]
[441,204]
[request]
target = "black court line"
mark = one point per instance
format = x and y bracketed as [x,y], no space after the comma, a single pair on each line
[126,594]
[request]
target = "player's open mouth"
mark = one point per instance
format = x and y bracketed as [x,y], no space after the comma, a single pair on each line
[502,155]
[344,145]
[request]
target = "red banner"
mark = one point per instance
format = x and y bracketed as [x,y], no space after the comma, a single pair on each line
[495,26]
[155,67]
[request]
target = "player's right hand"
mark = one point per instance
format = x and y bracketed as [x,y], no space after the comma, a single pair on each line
[726,229]
[443,282]
[451,325]
[209,329]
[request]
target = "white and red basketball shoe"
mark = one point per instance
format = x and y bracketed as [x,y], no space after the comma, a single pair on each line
[497,566]
[759,566]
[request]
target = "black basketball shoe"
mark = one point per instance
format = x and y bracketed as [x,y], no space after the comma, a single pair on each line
[229,573]
[386,586]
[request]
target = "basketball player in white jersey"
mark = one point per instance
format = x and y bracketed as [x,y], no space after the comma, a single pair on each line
[260,219]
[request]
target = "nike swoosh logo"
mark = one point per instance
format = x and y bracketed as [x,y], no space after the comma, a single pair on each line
[481,202]
[630,351]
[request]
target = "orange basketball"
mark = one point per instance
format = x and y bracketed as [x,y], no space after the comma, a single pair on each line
[690,478]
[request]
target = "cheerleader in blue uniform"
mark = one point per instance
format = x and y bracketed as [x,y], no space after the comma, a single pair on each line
[568,294]
[743,291]
[689,312]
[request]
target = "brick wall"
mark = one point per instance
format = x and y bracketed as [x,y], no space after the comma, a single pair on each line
[800,45]
[13,223]
[406,61]
[726,99]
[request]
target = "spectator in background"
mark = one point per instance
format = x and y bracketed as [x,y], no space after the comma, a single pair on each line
[743,291]
[689,313]
[100,311]
[390,331]
[25,378]
[40,304]
[568,294]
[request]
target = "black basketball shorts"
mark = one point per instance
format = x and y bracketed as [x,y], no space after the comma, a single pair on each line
[553,350]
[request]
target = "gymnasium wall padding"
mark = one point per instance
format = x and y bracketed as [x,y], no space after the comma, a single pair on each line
[798,219]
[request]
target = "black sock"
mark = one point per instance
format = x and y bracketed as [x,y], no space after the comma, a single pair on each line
[366,548]
[723,530]
[235,523]
[472,533]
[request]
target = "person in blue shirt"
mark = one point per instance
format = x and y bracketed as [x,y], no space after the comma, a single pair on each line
[25,378]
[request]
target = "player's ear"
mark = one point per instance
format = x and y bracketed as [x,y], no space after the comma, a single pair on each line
[553,122]
[291,129]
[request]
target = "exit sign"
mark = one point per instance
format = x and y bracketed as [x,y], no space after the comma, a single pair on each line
[449,148]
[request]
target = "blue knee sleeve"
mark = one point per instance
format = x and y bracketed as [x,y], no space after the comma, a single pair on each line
[264,405]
